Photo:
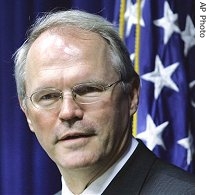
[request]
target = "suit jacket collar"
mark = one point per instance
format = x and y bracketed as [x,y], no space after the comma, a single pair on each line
[132,176]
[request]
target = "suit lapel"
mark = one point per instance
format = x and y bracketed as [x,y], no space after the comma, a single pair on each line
[131,177]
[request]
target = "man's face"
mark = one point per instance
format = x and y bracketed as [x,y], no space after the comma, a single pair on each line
[74,135]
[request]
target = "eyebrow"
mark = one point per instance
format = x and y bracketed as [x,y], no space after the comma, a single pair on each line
[100,82]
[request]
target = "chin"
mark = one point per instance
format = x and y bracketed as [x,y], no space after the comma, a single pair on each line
[78,161]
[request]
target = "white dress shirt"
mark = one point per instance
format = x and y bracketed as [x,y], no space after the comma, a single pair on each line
[100,184]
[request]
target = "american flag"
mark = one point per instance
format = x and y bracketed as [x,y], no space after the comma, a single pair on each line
[160,36]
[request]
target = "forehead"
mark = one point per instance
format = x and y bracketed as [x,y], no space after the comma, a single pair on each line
[72,50]
[67,41]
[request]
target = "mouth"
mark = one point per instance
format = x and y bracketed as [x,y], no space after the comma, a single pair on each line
[75,136]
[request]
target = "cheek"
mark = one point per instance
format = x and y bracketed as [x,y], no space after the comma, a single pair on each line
[112,119]
[41,121]
[42,125]
[114,125]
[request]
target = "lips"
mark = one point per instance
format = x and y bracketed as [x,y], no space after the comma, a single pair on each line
[76,135]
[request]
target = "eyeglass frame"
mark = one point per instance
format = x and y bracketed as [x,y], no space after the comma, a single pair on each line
[73,94]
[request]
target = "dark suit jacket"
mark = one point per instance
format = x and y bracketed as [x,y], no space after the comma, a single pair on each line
[145,174]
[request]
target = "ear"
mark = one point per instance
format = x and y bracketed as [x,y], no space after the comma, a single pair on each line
[134,93]
[25,110]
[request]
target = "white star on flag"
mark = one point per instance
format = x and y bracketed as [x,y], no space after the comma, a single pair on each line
[188,35]
[161,76]
[191,85]
[168,22]
[187,143]
[153,134]
[132,57]
[130,16]
[142,23]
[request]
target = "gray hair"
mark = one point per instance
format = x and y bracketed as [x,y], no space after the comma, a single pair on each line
[80,19]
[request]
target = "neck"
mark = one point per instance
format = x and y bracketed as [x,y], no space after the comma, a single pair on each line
[77,180]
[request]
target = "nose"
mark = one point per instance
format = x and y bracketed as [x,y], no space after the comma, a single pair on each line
[70,109]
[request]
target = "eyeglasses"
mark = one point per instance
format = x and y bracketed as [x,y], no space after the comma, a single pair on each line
[85,93]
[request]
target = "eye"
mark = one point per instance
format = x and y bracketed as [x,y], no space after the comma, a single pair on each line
[49,96]
[46,97]
[89,90]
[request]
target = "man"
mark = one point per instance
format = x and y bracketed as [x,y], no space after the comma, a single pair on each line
[78,90]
